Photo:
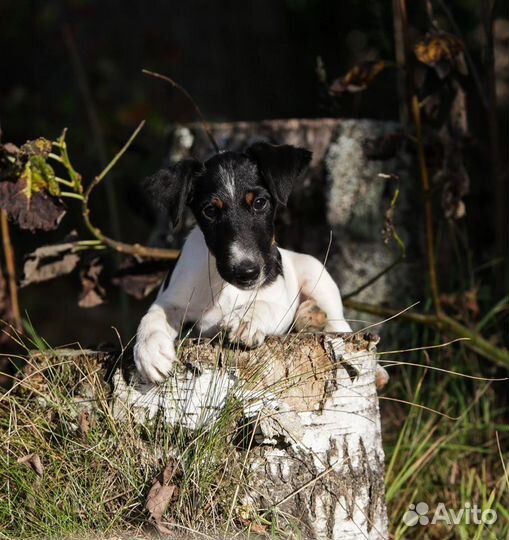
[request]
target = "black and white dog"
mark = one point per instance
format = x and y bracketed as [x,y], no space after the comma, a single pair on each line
[231,276]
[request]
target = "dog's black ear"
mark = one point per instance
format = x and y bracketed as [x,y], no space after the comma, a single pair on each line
[171,188]
[279,166]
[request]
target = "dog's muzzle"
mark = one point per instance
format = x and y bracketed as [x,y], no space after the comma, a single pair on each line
[246,274]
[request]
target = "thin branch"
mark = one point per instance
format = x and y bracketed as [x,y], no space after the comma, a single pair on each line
[176,85]
[428,208]
[443,323]
[130,249]
[381,311]
[66,162]
[401,45]
[11,270]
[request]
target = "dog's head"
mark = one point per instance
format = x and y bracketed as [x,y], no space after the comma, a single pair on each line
[234,197]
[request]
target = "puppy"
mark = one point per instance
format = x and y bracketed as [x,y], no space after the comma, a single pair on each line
[231,276]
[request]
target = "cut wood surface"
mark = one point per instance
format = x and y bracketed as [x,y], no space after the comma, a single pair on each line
[310,408]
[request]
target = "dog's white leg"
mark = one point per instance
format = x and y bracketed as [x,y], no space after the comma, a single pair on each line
[154,351]
[183,300]
[316,283]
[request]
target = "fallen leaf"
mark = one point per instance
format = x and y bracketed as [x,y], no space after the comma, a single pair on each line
[33,461]
[5,305]
[358,78]
[92,294]
[48,262]
[162,493]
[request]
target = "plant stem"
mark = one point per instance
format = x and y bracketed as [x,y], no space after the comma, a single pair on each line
[64,182]
[130,249]
[428,208]
[71,195]
[64,156]
[401,45]
[443,323]
[11,271]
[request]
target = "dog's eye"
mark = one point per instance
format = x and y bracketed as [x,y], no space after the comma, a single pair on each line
[259,203]
[210,211]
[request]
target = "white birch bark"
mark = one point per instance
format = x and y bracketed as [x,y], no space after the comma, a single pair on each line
[317,454]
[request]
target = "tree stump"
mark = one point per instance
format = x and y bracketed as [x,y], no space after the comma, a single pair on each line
[309,403]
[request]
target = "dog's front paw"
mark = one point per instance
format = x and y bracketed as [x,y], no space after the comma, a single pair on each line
[154,354]
[310,317]
[244,328]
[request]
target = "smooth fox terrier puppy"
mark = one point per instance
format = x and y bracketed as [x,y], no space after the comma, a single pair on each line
[231,276]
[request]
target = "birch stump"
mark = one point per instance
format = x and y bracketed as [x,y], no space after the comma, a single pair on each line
[315,452]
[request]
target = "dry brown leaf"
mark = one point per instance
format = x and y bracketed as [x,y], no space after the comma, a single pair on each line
[92,293]
[33,461]
[48,262]
[161,493]
[40,212]
[158,500]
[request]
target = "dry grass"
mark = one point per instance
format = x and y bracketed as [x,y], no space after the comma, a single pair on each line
[97,471]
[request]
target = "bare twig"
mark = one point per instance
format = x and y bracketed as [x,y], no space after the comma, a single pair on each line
[402,47]
[11,271]
[428,208]
[176,85]
[443,323]
[131,249]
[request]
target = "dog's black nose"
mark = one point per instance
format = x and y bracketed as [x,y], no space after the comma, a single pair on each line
[246,271]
